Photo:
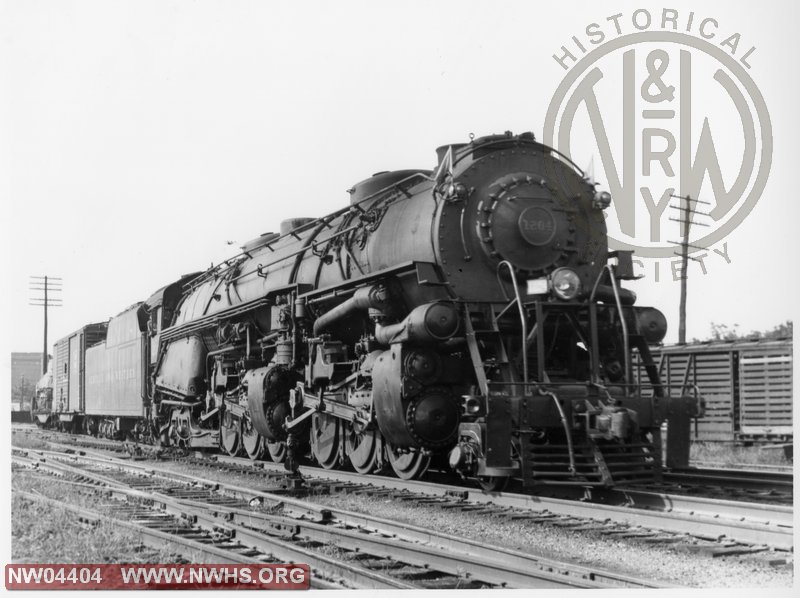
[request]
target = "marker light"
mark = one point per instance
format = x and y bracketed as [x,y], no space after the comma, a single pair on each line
[566,283]
[601,200]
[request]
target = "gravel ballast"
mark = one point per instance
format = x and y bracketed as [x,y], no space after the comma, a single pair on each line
[659,562]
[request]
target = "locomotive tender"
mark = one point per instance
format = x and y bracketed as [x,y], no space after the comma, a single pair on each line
[470,318]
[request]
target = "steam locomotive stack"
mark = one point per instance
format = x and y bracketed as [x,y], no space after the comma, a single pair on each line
[469,317]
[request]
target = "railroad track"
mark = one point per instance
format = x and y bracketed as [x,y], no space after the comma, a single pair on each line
[758,485]
[691,523]
[768,485]
[375,553]
[157,530]
[727,527]
[81,441]
[760,467]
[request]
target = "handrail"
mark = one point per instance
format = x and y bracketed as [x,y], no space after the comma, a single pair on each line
[678,387]
[260,267]
[294,232]
[522,317]
[625,341]
[567,432]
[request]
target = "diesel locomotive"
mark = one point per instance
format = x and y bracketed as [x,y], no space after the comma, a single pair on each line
[468,318]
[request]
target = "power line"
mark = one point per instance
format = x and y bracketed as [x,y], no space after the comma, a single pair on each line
[47,285]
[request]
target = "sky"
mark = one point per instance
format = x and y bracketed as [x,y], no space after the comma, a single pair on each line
[143,140]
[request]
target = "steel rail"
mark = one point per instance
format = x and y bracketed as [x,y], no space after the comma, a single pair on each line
[279,550]
[434,558]
[53,461]
[768,477]
[62,469]
[498,566]
[407,543]
[749,467]
[739,478]
[158,540]
[752,523]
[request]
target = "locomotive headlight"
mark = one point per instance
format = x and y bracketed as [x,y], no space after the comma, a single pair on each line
[566,283]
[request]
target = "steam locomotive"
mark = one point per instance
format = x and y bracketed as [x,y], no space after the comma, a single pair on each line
[469,317]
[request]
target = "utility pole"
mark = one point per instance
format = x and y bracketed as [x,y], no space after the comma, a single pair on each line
[686,211]
[47,285]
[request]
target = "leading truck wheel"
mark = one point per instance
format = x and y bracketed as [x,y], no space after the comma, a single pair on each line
[408,465]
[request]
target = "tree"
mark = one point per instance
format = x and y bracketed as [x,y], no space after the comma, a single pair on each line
[23,390]
[723,332]
[783,330]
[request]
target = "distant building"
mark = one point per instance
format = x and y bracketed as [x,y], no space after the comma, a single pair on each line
[26,369]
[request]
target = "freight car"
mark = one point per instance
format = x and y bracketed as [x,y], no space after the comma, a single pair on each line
[747,387]
[469,317]
[103,371]
[69,375]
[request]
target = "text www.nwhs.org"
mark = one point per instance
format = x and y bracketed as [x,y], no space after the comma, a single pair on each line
[162,576]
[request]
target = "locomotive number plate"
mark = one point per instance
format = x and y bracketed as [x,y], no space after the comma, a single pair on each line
[538,286]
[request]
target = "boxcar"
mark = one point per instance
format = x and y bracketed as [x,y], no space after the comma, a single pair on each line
[747,387]
[69,372]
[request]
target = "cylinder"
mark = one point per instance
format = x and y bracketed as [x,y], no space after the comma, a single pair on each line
[652,324]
